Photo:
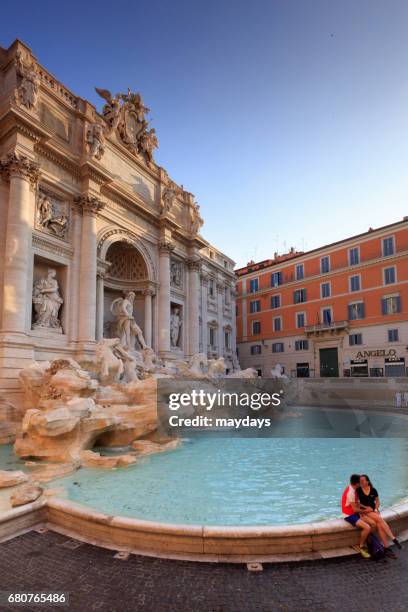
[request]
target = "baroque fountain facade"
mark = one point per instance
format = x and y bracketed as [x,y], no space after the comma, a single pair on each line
[106,277]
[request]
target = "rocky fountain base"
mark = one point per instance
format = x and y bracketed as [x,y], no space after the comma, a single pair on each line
[113,403]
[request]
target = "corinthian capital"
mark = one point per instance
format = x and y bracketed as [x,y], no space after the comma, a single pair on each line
[165,246]
[16,164]
[193,264]
[89,204]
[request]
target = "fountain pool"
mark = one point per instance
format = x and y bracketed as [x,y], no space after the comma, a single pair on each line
[232,480]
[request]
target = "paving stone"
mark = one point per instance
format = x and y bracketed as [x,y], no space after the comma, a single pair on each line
[96,580]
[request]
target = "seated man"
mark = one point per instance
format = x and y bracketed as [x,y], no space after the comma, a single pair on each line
[350,508]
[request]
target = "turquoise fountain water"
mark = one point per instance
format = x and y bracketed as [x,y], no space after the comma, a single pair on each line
[242,481]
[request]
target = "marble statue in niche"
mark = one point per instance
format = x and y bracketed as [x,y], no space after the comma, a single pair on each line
[27,91]
[47,302]
[176,274]
[175,327]
[95,138]
[51,216]
[125,326]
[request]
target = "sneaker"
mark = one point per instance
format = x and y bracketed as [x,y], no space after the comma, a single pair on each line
[389,553]
[364,553]
[397,544]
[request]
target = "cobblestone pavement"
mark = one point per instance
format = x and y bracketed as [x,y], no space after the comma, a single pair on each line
[97,581]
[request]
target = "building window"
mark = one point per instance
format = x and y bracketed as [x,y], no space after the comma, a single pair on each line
[256,349]
[211,287]
[300,319]
[327,316]
[356,311]
[256,327]
[254,306]
[253,285]
[212,337]
[301,345]
[299,296]
[227,295]
[325,264]
[276,279]
[354,256]
[325,290]
[391,305]
[388,246]
[355,339]
[300,272]
[355,283]
[227,340]
[277,324]
[393,335]
[389,276]
[278,347]
[275,301]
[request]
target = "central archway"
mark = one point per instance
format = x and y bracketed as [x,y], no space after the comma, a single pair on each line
[124,266]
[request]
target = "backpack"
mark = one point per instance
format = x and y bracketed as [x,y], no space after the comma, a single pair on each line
[375,548]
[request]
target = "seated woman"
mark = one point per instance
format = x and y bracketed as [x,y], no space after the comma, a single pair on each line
[369,500]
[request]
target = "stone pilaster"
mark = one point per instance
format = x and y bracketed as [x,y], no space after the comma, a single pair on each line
[193,266]
[165,249]
[220,309]
[90,206]
[234,294]
[100,291]
[204,311]
[147,331]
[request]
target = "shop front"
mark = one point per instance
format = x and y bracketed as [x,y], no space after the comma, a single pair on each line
[376,363]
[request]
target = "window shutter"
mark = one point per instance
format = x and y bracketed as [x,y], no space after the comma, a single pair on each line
[361,310]
[384,306]
[398,300]
[350,312]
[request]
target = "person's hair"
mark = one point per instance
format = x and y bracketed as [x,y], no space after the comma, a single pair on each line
[355,479]
[367,479]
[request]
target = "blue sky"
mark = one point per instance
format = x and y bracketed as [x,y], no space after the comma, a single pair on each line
[288,119]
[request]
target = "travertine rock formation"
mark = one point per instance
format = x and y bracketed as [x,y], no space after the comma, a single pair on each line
[69,412]
[12,478]
[25,494]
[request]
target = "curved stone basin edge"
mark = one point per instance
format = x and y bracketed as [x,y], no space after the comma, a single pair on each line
[323,539]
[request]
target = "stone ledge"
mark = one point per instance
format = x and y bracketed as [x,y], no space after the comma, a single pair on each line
[324,540]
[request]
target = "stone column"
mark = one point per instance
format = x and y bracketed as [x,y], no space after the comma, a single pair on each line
[165,248]
[204,313]
[147,331]
[220,309]
[193,265]
[90,206]
[100,292]
[22,173]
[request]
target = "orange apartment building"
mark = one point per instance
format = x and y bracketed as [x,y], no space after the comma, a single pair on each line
[339,310]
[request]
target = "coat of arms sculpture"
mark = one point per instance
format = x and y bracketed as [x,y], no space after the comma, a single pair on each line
[125,114]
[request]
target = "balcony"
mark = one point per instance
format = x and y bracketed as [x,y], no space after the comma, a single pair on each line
[334,327]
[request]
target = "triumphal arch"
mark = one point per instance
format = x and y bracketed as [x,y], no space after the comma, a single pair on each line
[96,240]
